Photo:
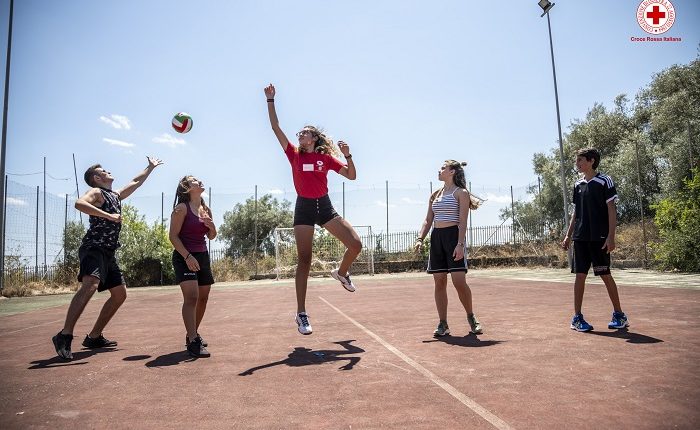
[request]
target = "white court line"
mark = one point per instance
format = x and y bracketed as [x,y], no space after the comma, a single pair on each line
[35,326]
[468,402]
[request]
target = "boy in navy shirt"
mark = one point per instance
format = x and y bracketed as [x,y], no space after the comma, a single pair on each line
[592,230]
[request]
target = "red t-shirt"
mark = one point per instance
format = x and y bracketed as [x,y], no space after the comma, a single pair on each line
[310,171]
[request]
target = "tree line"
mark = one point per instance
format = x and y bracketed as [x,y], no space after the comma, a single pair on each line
[649,147]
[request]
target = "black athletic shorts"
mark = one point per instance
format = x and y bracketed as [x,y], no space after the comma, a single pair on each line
[314,211]
[183,273]
[102,264]
[590,253]
[443,242]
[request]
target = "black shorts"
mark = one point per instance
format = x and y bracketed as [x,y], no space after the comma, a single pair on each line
[102,264]
[183,273]
[443,242]
[314,211]
[590,253]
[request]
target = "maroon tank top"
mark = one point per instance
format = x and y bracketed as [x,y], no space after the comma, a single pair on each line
[193,231]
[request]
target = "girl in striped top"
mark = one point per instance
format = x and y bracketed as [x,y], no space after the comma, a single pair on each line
[448,210]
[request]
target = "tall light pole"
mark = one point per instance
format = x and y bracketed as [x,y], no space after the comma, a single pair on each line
[3,146]
[546,5]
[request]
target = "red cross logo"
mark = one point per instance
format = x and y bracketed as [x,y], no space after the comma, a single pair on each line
[655,15]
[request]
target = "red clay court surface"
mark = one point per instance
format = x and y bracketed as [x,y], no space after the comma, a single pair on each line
[371,362]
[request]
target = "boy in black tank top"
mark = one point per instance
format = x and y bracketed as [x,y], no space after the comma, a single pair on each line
[99,270]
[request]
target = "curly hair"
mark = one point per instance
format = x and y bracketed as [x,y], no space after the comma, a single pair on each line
[324,144]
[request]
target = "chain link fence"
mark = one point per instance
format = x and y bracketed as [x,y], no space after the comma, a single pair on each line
[36,221]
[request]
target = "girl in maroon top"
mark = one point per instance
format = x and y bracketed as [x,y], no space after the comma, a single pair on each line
[310,162]
[190,222]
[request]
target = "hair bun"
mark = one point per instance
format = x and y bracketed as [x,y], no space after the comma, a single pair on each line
[463,163]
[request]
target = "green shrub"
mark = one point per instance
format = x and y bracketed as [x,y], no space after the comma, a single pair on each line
[678,219]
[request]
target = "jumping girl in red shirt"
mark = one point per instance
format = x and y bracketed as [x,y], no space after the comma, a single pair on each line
[310,162]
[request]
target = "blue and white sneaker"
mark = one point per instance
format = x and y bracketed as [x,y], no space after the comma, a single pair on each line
[580,324]
[619,320]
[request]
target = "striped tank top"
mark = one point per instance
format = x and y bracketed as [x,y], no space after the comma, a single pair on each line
[446,208]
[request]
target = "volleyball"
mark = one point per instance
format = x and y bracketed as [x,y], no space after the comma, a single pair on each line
[182,122]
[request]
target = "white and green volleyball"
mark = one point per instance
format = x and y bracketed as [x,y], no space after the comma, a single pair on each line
[182,122]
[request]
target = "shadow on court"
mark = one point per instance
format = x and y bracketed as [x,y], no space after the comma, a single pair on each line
[304,357]
[77,355]
[629,336]
[470,341]
[136,357]
[172,359]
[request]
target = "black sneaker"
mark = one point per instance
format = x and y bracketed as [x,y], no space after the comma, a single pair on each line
[196,349]
[98,342]
[62,344]
[187,340]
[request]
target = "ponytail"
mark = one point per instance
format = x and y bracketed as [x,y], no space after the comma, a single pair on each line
[461,182]
[182,194]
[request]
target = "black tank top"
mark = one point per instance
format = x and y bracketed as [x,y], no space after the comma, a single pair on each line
[103,232]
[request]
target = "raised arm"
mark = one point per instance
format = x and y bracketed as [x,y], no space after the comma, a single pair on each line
[349,170]
[425,227]
[90,202]
[272,113]
[140,178]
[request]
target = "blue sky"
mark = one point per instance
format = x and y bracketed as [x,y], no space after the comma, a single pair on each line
[407,84]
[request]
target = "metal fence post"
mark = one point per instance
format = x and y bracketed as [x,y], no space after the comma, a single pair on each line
[3,144]
[512,215]
[36,235]
[641,203]
[65,232]
[255,231]
[4,223]
[44,214]
[77,191]
[387,206]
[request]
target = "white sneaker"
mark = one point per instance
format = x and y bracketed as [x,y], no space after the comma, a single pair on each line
[303,323]
[344,280]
